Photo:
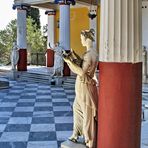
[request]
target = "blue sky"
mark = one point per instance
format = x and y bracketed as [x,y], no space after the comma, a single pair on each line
[7,13]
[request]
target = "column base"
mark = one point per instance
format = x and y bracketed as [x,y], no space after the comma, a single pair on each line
[119,108]
[66,71]
[50,58]
[22,63]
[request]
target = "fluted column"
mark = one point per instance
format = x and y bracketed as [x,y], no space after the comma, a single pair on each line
[21,35]
[121,31]
[120,76]
[50,38]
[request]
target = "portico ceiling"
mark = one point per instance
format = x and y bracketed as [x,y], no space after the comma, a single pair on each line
[50,4]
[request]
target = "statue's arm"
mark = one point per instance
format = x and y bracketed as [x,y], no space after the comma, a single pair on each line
[76,69]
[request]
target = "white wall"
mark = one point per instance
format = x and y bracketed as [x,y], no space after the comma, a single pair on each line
[145,24]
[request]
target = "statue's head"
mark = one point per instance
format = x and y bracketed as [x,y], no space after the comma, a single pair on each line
[87,36]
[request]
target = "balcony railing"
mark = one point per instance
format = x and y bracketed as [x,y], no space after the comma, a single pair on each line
[38,58]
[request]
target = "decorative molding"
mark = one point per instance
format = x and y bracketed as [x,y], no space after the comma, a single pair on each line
[22,6]
[65,2]
[50,12]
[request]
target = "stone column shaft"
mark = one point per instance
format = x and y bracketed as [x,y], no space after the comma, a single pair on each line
[21,29]
[50,37]
[64,31]
[93,24]
[51,28]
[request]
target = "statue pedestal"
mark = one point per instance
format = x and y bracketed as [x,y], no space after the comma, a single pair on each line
[57,80]
[13,74]
[70,144]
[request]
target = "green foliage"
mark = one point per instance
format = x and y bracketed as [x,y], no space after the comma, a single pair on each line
[36,42]
[35,15]
[35,38]
[7,37]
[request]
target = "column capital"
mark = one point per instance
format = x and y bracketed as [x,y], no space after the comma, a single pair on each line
[50,12]
[21,6]
[65,2]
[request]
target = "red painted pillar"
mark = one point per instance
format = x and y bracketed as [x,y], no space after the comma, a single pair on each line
[119,105]
[50,58]
[22,62]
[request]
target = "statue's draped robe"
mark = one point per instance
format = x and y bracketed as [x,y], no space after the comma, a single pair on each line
[85,103]
[58,61]
[14,57]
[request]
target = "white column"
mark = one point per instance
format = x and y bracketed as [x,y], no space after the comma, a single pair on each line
[64,30]
[120,39]
[21,28]
[51,28]
[93,24]
[145,23]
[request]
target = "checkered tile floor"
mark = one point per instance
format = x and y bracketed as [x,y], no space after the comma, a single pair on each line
[35,115]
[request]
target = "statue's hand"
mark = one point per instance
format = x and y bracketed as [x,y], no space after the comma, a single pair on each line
[71,50]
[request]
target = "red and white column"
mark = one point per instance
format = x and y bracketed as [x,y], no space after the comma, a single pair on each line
[64,31]
[50,38]
[120,76]
[21,36]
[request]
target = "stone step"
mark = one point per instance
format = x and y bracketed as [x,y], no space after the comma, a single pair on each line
[70,81]
[4,73]
[4,83]
[34,77]
[27,79]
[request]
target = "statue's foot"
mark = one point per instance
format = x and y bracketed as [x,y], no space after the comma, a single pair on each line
[89,144]
[73,138]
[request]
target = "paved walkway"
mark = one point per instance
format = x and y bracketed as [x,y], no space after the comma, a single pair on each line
[40,116]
